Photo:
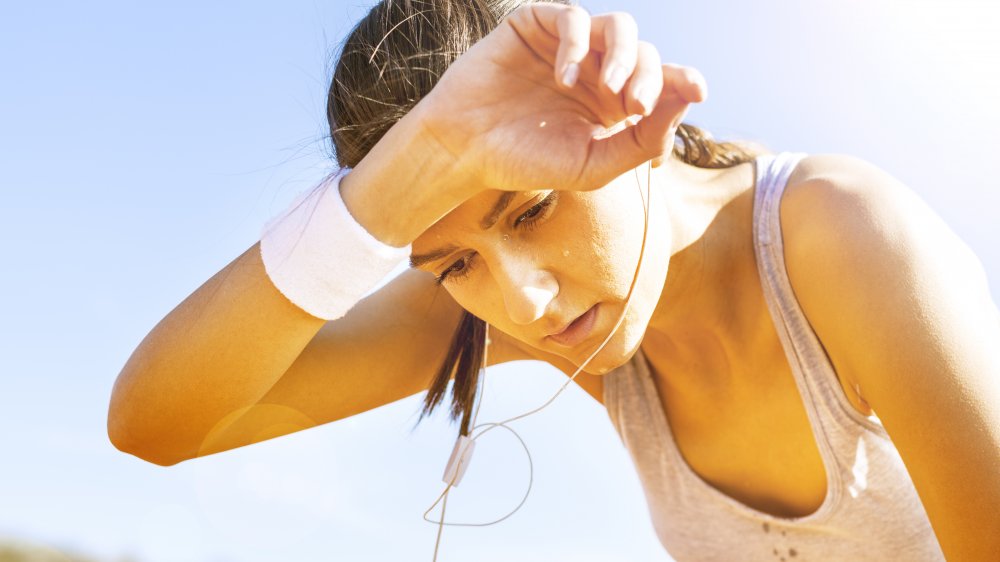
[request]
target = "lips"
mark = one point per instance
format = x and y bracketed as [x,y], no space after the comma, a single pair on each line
[577,330]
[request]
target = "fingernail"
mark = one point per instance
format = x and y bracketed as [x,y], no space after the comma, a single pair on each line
[616,78]
[570,75]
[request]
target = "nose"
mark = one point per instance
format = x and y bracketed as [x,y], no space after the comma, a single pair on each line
[527,288]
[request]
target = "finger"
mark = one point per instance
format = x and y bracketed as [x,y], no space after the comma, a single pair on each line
[692,83]
[571,55]
[573,27]
[687,81]
[652,137]
[620,36]
[600,49]
[646,83]
[682,86]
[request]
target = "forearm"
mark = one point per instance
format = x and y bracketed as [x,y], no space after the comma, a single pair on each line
[219,351]
[213,356]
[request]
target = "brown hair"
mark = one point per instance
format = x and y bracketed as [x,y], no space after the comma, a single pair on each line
[389,61]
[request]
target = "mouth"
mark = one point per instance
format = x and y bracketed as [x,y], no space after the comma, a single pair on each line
[577,330]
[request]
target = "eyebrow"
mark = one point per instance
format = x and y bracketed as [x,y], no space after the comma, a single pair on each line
[486,223]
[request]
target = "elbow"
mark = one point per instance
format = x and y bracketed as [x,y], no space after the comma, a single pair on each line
[146,455]
[130,435]
[119,436]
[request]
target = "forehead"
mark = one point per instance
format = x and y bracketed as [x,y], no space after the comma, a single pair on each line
[477,214]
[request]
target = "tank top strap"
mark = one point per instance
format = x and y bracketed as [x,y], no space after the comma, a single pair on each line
[866,478]
[826,405]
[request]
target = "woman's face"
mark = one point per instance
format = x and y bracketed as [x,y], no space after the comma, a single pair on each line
[549,258]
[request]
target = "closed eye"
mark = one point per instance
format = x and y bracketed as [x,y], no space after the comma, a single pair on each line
[530,217]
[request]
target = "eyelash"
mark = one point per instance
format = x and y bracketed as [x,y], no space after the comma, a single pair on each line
[529,220]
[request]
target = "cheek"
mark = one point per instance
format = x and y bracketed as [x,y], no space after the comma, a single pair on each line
[476,297]
[618,246]
[611,248]
[466,299]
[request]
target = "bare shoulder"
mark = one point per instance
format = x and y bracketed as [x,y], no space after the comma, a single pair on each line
[828,198]
[833,175]
[837,203]
[857,239]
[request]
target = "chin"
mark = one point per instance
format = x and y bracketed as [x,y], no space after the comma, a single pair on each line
[618,351]
[626,341]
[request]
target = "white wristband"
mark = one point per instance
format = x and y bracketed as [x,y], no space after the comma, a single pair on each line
[318,255]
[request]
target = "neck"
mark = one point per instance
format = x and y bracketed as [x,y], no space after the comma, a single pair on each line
[704,319]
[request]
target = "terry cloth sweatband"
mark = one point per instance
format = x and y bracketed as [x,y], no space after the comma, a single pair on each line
[319,257]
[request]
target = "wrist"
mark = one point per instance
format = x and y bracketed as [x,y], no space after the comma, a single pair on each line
[307,249]
[406,183]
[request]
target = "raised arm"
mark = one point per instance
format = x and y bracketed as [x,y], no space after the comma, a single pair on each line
[509,114]
[227,344]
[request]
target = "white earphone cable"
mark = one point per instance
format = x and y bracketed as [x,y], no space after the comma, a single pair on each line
[463,458]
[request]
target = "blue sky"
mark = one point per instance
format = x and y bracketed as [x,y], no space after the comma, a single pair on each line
[143,145]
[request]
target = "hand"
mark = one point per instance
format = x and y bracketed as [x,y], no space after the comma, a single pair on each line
[520,110]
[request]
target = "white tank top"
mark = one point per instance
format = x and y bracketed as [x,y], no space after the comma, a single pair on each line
[871,510]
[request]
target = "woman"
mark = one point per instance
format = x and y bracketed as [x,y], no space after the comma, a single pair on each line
[488,142]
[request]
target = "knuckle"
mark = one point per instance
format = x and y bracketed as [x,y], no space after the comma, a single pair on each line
[521,11]
[648,50]
[692,74]
[624,22]
[574,16]
[522,16]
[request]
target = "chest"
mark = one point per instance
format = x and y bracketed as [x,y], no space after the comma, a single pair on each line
[751,442]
